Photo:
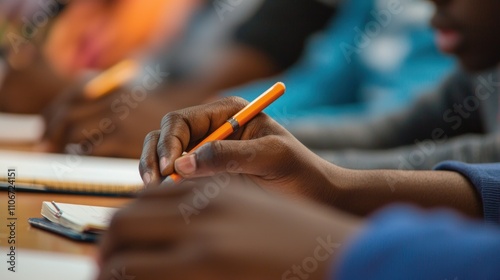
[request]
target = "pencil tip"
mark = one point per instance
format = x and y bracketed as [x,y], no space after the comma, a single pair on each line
[168,182]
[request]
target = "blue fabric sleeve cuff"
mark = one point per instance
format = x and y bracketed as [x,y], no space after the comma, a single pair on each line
[486,180]
[403,242]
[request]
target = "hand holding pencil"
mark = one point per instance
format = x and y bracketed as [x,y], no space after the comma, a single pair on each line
[234,123]
[104,116]
[260,149]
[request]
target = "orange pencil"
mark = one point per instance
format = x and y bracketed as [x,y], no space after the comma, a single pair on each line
[111,79]
[235,122]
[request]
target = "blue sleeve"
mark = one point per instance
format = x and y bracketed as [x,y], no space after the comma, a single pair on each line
[404,243]
[486,180]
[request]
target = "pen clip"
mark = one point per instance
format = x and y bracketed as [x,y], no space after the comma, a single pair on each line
[59,211]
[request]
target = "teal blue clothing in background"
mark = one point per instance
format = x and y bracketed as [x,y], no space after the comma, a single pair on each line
[345,74]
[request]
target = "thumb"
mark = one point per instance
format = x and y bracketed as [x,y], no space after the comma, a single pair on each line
[226,156]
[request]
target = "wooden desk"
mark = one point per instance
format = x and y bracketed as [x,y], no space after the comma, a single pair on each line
[17,147]
[28,205]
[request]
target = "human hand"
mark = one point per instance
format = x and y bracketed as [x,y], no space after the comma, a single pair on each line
[242,233]
[264,151]
[114,125]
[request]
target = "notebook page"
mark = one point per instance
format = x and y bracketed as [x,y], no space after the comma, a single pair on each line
[72,171]
[89,217]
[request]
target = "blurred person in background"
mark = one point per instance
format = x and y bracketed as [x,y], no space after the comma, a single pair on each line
[51,44]
[263,46]
[373,58]
[375,129]
[95,35]
[456,121]
[29,82]
[197,68]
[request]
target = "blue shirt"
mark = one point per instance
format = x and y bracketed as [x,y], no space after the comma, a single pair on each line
[486,179]
[405,243]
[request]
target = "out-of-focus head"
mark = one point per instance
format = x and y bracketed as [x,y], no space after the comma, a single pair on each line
[97,34]
[470,31]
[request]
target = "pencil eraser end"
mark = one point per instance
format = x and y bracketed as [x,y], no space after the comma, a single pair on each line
[281,84]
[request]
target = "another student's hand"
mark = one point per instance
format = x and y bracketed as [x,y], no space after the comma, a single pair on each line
[241,233]
[262,150]
[114,125]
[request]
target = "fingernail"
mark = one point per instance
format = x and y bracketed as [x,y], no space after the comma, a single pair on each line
[147,178]
[163,165]
[186,165]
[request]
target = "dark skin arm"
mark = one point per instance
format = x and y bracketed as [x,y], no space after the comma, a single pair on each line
[271,157]
[363,191]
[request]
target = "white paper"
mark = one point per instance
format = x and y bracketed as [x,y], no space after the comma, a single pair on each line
[34,265]
[76,169]
[82,215]
[21,129]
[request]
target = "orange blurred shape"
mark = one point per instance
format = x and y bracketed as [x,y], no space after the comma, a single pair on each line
[96,34]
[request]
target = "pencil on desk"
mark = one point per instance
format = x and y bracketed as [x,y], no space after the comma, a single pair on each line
[234,123]
[111,79]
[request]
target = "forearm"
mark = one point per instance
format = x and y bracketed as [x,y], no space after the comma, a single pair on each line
[384,132]
[422,120]
[423,155]
[358,135]
[362,192]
